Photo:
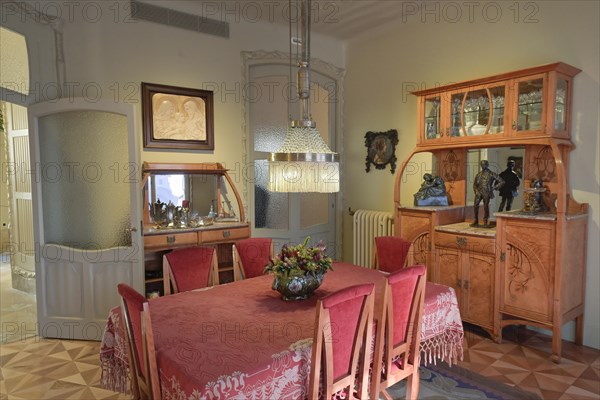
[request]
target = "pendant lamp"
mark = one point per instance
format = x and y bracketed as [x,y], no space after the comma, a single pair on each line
[304,163]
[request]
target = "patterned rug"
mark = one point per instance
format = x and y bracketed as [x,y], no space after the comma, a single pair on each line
[456,383]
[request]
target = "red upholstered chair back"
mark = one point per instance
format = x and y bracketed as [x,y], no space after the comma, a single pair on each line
[406,294]
[190,268]
[390,253]
[251,256]
[342,342]
[132,304]
[397,342]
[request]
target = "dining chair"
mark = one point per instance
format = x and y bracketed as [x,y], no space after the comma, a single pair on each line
[151,363]
[250,257]
[390,253]
[399,332]
[341,348]
[190,268]
[132,305]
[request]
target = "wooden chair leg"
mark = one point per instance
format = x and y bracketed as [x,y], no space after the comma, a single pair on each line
[386,395]
[412,386]
[579,330]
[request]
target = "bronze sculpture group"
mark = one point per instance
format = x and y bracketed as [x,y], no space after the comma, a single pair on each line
[433,190]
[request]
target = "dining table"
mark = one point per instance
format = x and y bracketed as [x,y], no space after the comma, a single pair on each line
[240,340]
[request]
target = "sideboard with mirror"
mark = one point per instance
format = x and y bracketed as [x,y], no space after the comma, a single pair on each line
[189,205]
[528,268]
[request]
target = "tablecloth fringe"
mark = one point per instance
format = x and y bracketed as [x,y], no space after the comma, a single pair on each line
[115,375]
[447,347]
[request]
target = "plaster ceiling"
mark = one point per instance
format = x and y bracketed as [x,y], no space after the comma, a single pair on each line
[340,19]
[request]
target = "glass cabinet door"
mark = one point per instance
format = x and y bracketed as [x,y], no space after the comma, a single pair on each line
[560,104]
[456,115]
[497,94]
[431,121]
[529,105]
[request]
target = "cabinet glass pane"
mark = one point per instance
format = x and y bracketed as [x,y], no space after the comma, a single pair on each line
[432,118]
[455,114]
[497,118]
[560,110]
[530,105]
[476,109]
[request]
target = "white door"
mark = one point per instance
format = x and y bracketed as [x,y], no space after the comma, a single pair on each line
[86,205]
[288,217]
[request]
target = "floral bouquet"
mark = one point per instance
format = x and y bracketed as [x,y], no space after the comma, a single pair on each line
[299,270]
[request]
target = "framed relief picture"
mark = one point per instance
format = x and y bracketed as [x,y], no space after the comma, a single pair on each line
[381,149]
[177,118]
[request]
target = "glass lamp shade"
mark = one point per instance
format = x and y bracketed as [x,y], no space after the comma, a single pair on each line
[304,163]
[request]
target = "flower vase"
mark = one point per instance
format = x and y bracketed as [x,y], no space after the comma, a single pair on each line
[297,287]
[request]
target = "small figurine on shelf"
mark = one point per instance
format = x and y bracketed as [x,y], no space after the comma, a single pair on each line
[184,217]
[212,214]
[508,191]
[432,192]
[486,181]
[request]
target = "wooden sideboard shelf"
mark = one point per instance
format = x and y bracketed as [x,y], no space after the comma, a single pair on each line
[530,268]
[207,186]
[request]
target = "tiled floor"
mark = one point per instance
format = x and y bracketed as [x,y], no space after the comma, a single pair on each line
[37,368]
[18,316]
[523,360]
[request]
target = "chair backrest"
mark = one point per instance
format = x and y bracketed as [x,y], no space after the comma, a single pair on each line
[190,268]
[251,256]
[398,338]
[390,253]
[151,363]
[342,342]
[132,305]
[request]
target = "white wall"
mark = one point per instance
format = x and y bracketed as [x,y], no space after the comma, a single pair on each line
[440,47]
[118,56]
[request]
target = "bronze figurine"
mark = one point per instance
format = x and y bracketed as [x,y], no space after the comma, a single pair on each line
[432,192]
[508,191]
[486,181]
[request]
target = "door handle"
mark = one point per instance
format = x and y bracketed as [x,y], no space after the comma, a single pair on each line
[131,229]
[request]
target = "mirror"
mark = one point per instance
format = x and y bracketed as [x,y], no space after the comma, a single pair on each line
[181,200]
[498,158]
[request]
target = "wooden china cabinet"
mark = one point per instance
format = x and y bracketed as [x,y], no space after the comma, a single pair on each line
[207,189]
[530,268]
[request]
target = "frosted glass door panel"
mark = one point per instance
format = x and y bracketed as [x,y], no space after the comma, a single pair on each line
[85,190]
[288,217]
[314,209]
[270,112]
[270,208]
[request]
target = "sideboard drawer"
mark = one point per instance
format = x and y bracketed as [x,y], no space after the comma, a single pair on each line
[173,239]
[479,244]
[223,235]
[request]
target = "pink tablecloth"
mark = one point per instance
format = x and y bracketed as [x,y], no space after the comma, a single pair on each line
[242,341]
